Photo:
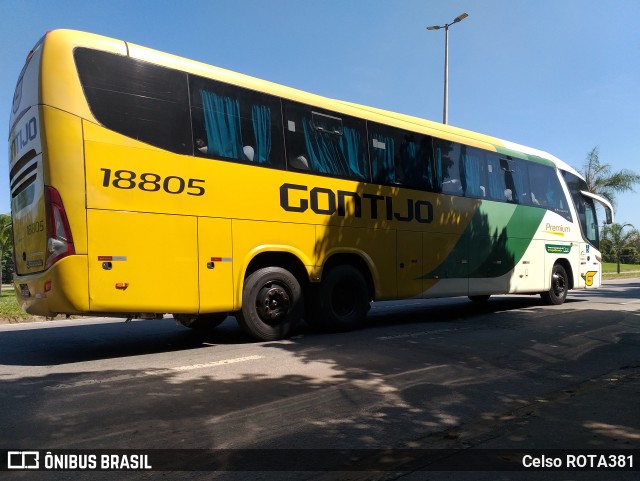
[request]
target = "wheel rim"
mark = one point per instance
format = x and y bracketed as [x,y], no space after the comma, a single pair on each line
[273,303]
[558,284]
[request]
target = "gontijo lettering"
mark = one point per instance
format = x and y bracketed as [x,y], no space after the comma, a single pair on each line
[28,132]
[298,198]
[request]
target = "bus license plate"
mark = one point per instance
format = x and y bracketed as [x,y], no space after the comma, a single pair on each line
[24,290]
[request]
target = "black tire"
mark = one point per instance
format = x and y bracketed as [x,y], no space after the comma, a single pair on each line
[202,322]
[341,301]
[480,299]
[557,294]
[271,304]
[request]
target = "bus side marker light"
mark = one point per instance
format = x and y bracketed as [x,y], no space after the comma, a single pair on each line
[122,285]
[48,286]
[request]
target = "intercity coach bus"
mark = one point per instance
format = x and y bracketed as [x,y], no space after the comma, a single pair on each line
[145,184]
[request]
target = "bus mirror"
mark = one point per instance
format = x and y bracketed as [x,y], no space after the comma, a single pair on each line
[608,208]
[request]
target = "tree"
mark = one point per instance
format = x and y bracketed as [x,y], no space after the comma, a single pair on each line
[630,255]
[619,239]
[602,181]
[6,246]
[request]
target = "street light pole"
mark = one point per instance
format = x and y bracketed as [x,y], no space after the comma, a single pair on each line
[445,108]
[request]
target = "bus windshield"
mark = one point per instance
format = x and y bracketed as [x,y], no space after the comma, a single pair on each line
[585,208]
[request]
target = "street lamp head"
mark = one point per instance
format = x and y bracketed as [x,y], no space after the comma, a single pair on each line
[461,17]
[434,27]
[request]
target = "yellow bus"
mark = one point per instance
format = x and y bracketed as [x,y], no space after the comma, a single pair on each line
[145,184]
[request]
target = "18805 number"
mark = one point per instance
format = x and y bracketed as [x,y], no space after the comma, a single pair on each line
[150,182]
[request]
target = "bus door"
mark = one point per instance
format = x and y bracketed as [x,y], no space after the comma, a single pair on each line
[590,267]
[215,265]
[590,258]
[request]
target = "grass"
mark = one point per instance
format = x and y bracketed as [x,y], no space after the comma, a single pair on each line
[612,267]
[9,308]
[610,270]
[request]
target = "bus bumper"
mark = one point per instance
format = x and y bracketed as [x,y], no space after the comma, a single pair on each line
[62,289]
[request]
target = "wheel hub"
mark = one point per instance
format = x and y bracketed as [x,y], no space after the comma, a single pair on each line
[558,284]
[273,303]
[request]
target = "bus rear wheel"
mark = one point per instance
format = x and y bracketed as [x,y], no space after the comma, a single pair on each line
[557,294]
[341,302]
[271,304]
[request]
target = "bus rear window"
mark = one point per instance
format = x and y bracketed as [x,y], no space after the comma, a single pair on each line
[137,99]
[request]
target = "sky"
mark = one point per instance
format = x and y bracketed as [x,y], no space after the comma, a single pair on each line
[561,76]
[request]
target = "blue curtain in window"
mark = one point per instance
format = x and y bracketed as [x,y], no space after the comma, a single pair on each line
[261,120]
[409,153]
[382,163]
[408,160]
[321,150]
[496,180]
[349,144]
[518,183]
[426,155]
[472,174]
[222,124]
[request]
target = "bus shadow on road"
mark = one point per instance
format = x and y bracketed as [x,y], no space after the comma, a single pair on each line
[70,343]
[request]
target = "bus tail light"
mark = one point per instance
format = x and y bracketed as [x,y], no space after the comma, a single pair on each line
[59,239]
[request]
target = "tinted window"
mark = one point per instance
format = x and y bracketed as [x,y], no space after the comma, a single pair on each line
[585,207]
[448,165]
[137,99]
[474,167]
[401,157]
[476,173]
[325,142]
[507,179]
[546,190]
[235,123]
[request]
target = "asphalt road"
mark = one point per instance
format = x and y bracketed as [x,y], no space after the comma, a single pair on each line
[422,374]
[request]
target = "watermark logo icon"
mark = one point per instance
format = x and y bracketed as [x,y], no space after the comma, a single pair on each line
[23,460]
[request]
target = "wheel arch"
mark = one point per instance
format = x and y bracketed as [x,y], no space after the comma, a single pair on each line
[273,258]
[567,267]
[357,260]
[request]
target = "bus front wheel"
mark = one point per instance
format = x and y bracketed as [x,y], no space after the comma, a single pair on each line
[271,304]
[557,294]
[341,302]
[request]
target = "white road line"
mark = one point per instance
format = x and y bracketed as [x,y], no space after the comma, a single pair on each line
[211,364]
[421,333]
[159,372]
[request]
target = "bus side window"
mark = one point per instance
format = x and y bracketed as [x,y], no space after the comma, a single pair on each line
[449,169]
[497,188]
[401,157]
[325,142]
[546,190]
[235,123]
[475,172]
